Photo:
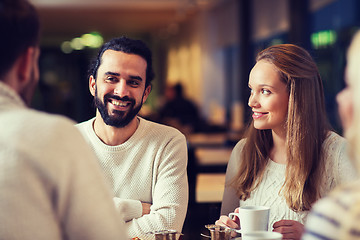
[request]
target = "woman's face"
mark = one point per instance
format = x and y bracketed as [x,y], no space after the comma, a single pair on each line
[269,97]
[345,103]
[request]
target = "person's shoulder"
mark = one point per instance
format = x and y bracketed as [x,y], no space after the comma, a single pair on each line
[157,128]
[341,199]
[34,119]
[82,126]
[52,123]
[240,145]
[334,142]
[333,138]
[38,128]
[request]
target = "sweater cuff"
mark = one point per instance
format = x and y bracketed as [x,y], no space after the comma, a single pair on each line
[128,208]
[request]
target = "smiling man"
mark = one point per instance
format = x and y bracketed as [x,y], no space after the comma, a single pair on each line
[144,161]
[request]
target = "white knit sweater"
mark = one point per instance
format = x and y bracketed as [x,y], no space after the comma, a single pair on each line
[51,185]
[149,167]
[338,169]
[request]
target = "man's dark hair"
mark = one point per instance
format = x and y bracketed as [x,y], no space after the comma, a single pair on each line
[126,45]
[20,27]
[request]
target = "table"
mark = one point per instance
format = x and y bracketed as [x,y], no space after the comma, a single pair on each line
[206,139]
[209,187]
[212,156]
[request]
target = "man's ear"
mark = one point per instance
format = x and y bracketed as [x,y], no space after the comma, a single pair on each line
[24,66]
[92,85]
[146,93]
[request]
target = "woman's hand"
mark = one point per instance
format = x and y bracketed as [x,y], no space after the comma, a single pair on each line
[289,229]
[225,221]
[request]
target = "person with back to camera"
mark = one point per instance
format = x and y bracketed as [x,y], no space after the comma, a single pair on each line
[289,157]
[144,161]
[338,215]
[51,185]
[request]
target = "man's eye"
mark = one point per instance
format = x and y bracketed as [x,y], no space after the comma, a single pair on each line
[134,83]
[110,79]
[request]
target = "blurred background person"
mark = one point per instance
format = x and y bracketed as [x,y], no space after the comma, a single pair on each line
[179,111]
[338,215]
[289,157]
[51,186]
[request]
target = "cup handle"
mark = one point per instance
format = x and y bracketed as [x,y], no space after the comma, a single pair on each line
[232,214]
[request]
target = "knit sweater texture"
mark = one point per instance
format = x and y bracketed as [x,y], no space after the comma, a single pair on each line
[51,184]
[149,167]
[338,169]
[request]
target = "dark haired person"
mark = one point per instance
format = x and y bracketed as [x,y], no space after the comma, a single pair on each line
[179,111]
[290,157]
[145,162]
[51,185]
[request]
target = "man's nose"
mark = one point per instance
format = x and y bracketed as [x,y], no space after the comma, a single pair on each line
[121,89]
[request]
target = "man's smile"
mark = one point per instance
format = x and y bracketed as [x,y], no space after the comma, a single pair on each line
[119,103]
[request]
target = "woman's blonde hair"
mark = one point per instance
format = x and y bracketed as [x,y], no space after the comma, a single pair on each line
[353,78]
[352,219]
[307,127]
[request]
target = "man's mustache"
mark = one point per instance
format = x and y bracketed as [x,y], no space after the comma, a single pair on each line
[125,99]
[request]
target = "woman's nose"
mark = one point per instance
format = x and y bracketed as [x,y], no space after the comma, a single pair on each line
[253,101]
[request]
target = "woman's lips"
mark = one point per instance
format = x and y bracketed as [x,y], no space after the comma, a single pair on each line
[257,115]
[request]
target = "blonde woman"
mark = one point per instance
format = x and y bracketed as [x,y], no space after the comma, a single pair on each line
[289,158]
[338,216]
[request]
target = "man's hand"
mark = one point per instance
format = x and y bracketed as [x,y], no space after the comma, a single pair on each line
[145,208]
[289,229]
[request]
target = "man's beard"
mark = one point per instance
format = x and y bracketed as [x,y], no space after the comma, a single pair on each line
[118,119]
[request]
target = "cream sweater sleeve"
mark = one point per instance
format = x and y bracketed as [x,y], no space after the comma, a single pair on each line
[170,193]
[339,168]
[230,199]
[128,208]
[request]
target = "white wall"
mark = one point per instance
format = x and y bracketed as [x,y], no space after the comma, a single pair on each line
[196,55]
[269,18]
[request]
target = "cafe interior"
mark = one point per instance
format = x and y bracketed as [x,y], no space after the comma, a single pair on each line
[205,46]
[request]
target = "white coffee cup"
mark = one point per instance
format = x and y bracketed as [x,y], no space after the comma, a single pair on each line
[261,235]
[253,218]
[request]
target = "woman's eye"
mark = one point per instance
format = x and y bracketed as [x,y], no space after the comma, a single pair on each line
[265,91]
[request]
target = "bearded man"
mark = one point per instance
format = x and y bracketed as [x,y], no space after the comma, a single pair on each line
[145,162]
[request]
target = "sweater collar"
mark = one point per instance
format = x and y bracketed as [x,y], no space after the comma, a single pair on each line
[8,96]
